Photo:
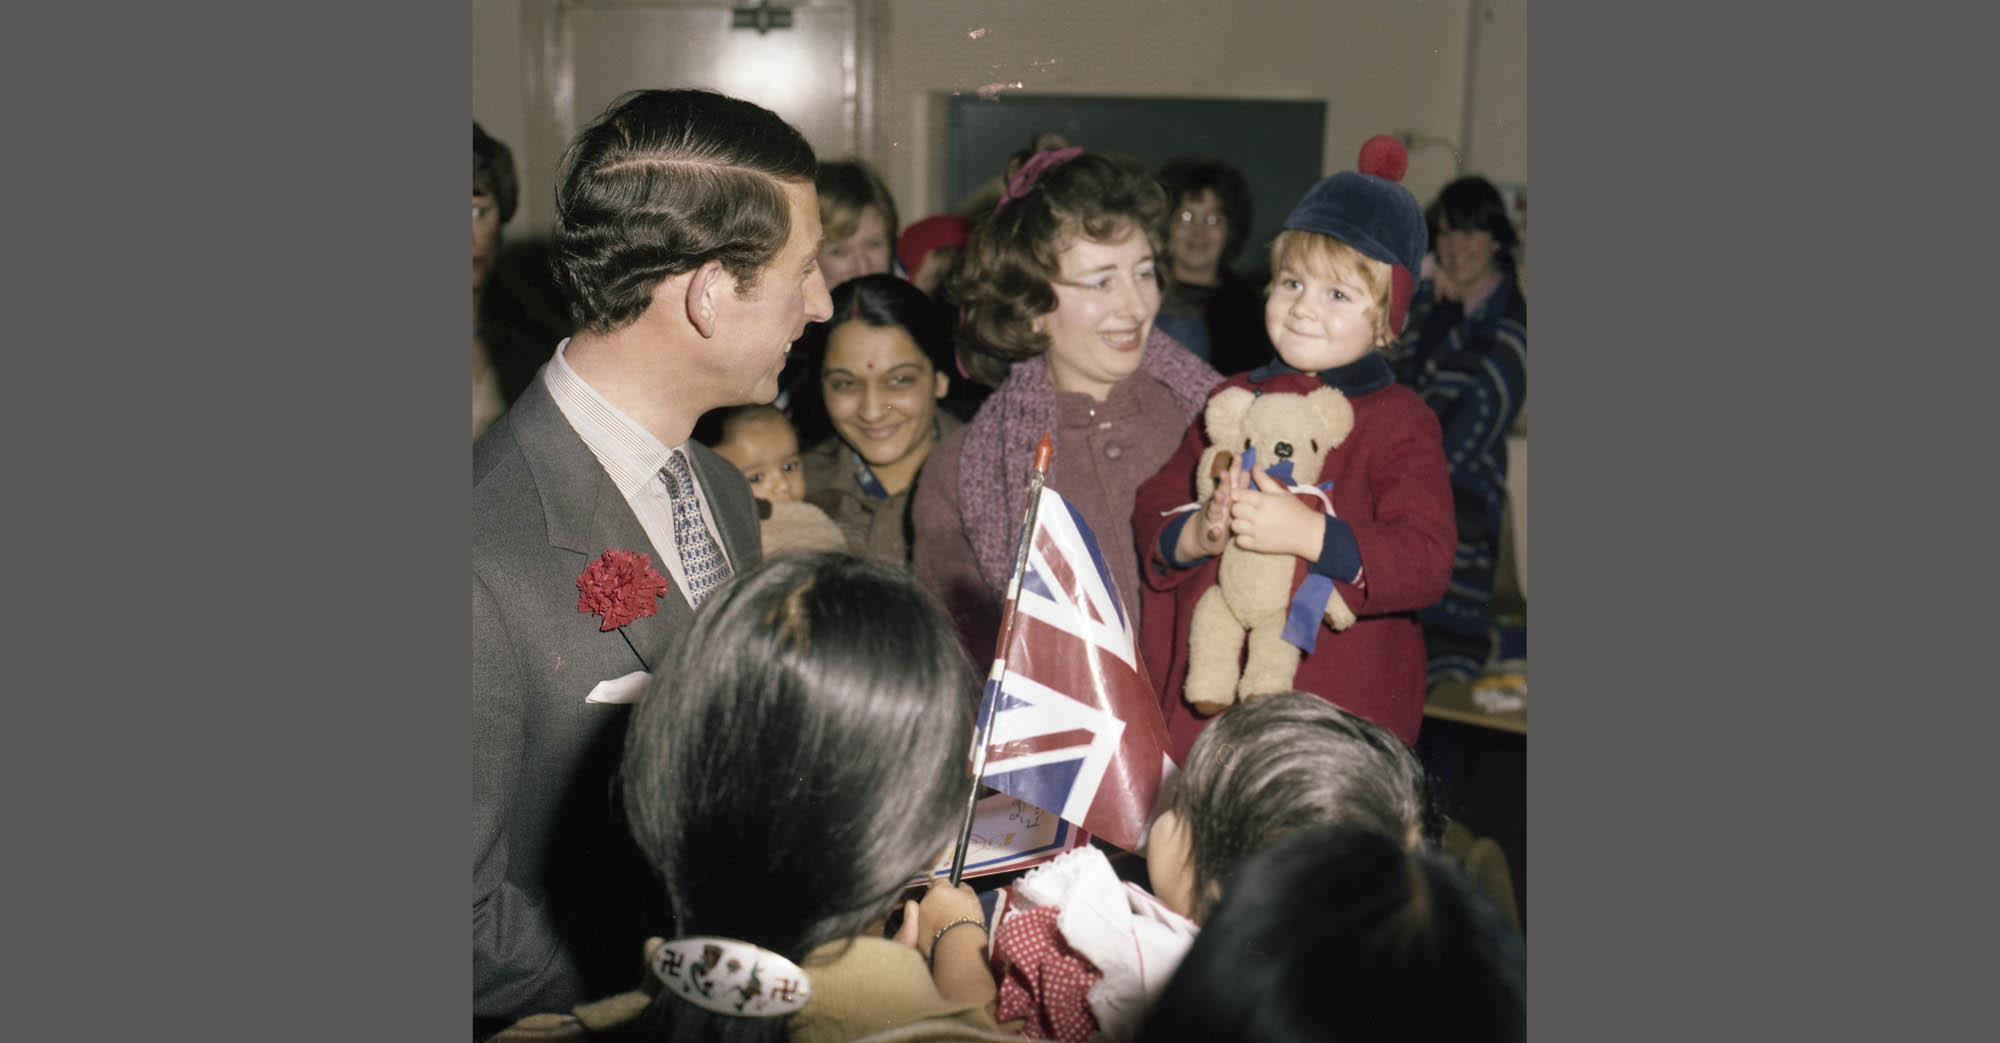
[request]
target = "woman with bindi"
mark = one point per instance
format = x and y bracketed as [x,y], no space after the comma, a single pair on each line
[879,391]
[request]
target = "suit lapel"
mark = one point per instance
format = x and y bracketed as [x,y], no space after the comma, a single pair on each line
[587,515]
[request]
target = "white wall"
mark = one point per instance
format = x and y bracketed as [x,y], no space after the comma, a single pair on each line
[1381,66]
[1496,125]
[498,105]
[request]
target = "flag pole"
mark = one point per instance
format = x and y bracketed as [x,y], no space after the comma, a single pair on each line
[1040,474]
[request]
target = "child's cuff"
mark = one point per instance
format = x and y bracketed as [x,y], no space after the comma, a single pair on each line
[1170,538]
[1339,555]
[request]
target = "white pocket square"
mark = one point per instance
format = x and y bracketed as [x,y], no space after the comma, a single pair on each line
[620,689]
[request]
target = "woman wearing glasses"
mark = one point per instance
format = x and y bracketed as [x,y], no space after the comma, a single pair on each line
[1210,308]
[1060,287]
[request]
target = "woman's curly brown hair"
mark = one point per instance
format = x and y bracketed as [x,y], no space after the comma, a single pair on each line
[1006,278]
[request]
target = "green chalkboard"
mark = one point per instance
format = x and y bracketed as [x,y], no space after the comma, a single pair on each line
[1276,144]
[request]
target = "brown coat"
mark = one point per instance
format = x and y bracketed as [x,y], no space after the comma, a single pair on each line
[875,528]
[1103,451]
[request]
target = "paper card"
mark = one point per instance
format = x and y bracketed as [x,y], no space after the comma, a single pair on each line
[1501,692]
[1008,834]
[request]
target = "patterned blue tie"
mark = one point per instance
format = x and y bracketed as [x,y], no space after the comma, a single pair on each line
[701,560]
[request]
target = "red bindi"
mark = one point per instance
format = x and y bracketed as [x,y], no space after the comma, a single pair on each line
[871,365]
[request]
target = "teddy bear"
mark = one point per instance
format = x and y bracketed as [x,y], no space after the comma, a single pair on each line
[1253,589]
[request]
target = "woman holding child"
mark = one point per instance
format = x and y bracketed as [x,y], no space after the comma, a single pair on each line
[1060,288]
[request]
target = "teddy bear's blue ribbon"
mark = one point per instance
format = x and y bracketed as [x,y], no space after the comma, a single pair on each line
[1308,607]
[1309,601]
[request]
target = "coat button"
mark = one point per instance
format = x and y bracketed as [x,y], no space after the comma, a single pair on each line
[1114,451]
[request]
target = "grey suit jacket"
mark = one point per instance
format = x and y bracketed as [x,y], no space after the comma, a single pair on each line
[561,901]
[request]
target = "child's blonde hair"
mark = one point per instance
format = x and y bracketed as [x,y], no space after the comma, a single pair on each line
[1324,256]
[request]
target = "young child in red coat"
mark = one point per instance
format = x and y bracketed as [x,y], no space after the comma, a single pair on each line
[1343,272]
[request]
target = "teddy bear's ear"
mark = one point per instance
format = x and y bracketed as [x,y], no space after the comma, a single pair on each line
[1224,417]
[1334,412]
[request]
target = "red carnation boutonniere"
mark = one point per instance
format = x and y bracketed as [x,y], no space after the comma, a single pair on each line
[621,586]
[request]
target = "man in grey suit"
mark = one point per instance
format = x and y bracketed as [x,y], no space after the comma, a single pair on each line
[687,241]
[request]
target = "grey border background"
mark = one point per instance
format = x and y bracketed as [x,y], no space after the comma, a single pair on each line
[1754,542]
[237,749]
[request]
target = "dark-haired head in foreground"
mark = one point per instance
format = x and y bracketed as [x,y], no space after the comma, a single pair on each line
[1340,933]
[805,762]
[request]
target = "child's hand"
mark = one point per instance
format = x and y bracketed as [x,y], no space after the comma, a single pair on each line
[1205,535]
[1269,518]
[958,960]
[941,905]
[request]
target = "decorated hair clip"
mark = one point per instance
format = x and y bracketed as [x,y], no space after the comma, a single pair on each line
[731,977]
[1032,170]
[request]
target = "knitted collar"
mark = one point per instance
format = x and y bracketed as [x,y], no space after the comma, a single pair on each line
[1000,442]
[1369,373]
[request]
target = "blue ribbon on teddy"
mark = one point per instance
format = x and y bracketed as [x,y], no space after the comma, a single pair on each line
[1308,605]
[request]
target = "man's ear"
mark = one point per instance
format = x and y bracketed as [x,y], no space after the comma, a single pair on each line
[704,290]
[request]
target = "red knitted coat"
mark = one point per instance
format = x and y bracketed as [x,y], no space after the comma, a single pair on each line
[1391,485]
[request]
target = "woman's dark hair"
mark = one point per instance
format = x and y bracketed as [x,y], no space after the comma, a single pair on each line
[799,762]
[886,300]
[876,300]
[1186,177]
[1473,204]
[1339,933]
[1284,762]
[493,172]
[1005,279]
[664,182]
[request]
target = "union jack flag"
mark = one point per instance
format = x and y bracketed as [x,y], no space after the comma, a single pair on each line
[1075,725]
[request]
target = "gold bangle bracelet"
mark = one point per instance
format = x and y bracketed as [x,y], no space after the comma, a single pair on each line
[960,922]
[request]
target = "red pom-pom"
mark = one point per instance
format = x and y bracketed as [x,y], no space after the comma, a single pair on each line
[1384,156]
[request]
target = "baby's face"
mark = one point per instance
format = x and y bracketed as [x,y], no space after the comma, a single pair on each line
[767,452]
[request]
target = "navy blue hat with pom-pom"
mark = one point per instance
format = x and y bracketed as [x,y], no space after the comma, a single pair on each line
[1369,210]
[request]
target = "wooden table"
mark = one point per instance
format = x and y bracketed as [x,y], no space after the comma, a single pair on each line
[1452,701]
